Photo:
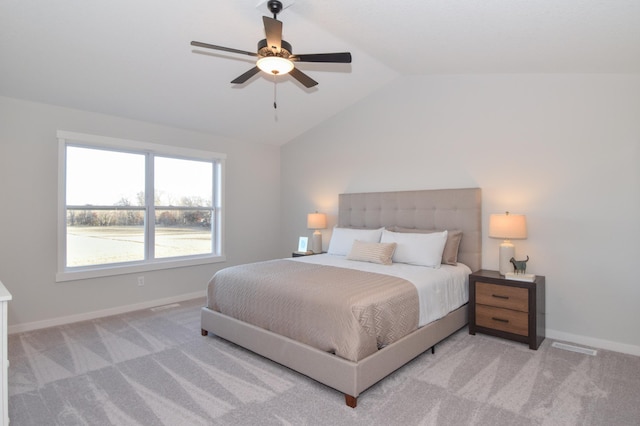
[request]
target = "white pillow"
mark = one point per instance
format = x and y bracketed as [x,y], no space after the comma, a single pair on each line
[342,239]
[417,249]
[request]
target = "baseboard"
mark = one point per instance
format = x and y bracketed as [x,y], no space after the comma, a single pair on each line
[593,342]
[36,325]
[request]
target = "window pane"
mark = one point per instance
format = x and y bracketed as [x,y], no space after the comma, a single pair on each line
[98,237]
[181,182]
[104,178]
[182,233]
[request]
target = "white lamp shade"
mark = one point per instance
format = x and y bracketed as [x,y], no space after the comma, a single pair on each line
[508,226]
[316,221]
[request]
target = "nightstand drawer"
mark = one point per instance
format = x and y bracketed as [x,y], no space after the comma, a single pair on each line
[502,296]
[502,319]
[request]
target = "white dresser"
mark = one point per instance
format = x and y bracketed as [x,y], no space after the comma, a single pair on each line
[5,296]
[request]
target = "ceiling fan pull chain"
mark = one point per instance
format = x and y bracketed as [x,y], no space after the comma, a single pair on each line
[275,105]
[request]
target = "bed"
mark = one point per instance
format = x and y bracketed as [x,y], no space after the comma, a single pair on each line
[348,370]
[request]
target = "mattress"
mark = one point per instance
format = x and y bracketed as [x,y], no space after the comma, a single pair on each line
[343,311]
[348,308]
[440,290]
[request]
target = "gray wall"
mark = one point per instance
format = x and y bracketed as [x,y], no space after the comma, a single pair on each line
[28,217]
[562,149]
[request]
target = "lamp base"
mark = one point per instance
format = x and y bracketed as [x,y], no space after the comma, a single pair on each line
[507,251]
[316,242]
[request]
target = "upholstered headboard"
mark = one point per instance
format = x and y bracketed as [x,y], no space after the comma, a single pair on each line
[427,209]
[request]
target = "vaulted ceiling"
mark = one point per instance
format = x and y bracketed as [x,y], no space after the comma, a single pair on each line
[134,59]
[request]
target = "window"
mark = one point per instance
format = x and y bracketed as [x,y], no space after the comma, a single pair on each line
[128,206]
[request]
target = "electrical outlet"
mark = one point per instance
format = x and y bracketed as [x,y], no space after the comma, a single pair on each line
[140,281]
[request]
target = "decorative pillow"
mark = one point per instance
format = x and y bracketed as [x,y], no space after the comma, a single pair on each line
[342,239]
[450,253]
[417,249]
[372,252]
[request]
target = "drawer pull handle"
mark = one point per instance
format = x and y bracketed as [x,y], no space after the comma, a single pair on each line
[499,319]
[497,296]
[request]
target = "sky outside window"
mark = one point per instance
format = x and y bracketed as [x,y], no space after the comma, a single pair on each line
[103,178]
[106,178]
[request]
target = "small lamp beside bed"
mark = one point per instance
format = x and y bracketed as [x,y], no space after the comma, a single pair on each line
[507,227]
[316,221]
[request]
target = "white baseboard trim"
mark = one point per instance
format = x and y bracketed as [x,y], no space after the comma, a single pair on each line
[36,325]
[593,342]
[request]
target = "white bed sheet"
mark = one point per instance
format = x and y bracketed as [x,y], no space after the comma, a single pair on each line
[440,290]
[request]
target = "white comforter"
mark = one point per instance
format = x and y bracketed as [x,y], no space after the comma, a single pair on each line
[440,290]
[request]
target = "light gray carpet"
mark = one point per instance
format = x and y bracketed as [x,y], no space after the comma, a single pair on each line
[154,368]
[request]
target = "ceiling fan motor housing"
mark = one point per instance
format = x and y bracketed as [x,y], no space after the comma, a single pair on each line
[264,50]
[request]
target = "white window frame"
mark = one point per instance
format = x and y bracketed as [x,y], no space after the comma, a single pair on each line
[102,142]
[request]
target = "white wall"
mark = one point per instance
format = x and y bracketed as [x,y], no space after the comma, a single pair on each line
[28,217]
[562,149]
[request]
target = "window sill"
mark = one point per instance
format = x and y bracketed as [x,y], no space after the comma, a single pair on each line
[98,272]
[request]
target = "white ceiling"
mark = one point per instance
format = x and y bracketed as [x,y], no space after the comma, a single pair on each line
[132,58]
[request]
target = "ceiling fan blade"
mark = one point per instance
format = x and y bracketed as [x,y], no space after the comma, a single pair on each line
[246,76]
[225,49]
[303,78]
[273,30]
[340,58]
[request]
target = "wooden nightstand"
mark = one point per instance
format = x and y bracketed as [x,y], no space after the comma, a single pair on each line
[505,308]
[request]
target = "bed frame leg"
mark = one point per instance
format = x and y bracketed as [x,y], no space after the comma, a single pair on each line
[433,349]
[351,401]
[203,332]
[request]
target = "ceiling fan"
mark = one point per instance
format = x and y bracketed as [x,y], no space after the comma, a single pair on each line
[275,56]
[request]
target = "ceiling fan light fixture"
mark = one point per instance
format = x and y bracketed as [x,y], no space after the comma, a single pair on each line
[275,65]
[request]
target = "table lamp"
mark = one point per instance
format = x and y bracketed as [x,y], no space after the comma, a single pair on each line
[507,227]
[316,221]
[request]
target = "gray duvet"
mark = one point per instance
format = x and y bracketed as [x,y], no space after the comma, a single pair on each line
[343,311]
